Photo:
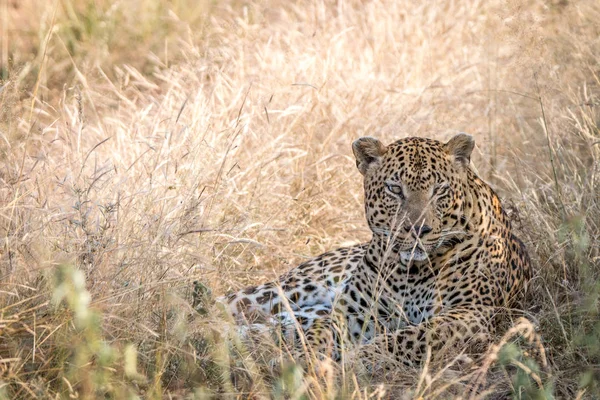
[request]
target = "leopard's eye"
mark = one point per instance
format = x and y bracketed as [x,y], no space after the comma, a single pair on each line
[395,190]
[440,190]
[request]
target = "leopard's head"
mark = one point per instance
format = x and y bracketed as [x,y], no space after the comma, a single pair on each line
[414,190]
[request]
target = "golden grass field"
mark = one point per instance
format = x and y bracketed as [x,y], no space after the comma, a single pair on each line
[147,144]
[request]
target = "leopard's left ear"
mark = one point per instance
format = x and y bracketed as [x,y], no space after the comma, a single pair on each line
[460,148]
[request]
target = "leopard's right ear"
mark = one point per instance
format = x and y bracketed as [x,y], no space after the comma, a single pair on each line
[368,152]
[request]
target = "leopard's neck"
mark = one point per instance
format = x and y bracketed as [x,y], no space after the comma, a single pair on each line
[483,218]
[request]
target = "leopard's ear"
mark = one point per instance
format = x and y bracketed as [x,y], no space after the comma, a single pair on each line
[368,152]
[460,148]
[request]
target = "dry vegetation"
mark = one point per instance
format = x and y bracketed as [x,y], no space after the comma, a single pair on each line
[145,144]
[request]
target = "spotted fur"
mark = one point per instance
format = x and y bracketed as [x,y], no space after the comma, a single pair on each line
[441,262]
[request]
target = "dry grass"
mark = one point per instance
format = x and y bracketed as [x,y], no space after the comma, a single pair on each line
[149,144]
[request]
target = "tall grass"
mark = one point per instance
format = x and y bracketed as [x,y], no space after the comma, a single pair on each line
[147,144]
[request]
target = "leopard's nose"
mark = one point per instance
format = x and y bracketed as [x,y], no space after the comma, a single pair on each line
[419,231]
[424,230]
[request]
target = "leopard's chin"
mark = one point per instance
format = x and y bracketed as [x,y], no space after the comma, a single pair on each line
[414,254]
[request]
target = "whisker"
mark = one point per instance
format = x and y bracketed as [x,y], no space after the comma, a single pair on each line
[461,232]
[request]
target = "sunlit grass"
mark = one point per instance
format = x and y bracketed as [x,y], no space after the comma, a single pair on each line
[145,145]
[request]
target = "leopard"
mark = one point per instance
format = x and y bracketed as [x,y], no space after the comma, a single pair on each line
[442,262]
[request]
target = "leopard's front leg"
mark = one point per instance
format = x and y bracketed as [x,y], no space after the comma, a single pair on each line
[453,330]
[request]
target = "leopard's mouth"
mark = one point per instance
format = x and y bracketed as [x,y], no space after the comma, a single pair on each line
[416,251]
[408,248]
